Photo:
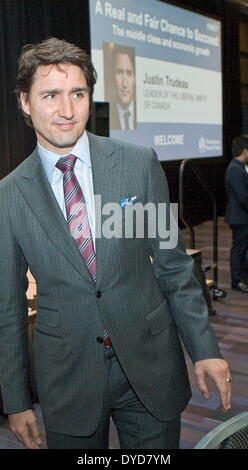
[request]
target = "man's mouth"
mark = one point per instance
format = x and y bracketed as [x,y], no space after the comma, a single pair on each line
[65,125]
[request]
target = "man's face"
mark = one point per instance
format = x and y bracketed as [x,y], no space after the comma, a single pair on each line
[58,104]
[124,79]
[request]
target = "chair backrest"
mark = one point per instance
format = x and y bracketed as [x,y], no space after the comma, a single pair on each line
[231,434]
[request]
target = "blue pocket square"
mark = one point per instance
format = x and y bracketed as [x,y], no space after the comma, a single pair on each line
[127,200]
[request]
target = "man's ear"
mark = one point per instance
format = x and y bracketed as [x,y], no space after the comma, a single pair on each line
[24,102]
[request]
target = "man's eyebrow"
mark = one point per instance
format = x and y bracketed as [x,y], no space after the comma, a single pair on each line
[57,90]
[80,89]
[50,91]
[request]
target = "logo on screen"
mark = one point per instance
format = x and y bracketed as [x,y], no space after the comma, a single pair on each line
[202,145]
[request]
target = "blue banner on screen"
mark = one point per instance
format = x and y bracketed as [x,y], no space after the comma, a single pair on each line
[159,66]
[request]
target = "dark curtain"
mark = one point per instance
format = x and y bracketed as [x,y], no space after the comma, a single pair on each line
[25,21]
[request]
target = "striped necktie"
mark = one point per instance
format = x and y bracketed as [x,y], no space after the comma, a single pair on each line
[76,211]
[127,114]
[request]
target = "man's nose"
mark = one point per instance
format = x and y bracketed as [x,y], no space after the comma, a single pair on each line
[124,80]
[66,108]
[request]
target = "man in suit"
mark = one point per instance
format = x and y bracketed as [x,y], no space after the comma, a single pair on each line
[123,109]
[107,334]
[236,186]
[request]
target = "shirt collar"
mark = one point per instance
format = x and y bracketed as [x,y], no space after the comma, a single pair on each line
[49,159]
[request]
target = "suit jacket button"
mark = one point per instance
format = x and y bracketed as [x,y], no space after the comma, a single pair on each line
[99,339]
[98,293]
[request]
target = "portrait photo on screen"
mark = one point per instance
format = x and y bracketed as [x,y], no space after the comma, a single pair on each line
[120,85]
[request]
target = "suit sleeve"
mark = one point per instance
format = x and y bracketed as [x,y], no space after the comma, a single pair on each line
[13,318]
[174,272]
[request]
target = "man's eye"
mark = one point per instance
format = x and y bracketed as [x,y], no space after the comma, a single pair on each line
[50,96]
[79,94]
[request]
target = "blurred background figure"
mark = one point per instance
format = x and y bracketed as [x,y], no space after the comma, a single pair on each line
[236,186]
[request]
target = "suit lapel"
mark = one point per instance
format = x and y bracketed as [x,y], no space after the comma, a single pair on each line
[106,183]
[36,190]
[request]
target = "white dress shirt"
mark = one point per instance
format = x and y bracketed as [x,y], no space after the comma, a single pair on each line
[83,172]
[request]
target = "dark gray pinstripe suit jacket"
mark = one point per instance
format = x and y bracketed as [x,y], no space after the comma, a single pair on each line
[145,307]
